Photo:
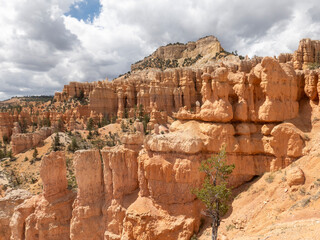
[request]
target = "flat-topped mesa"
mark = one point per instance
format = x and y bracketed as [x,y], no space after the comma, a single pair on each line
[308,52]
[181,55]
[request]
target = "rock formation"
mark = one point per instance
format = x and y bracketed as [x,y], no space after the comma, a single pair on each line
[6,124]
[24,141]
[7,205]
[308,52]
[46,216]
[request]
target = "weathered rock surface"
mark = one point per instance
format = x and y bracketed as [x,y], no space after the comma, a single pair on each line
[7,204]
[6,124]
[295,176]
[308,52]
[46,216]
[24,141]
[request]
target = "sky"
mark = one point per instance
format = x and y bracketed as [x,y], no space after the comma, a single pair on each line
[44,44]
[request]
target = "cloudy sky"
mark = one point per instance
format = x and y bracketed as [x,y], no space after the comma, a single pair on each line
[45,44]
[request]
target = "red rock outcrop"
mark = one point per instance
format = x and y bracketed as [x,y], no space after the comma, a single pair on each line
[74,89]
[6,124]
[307,53]
[253,149]
[7,204]
[86,222]
[24,141]
[295,177]
[263,95]
[105,183]
[46,216]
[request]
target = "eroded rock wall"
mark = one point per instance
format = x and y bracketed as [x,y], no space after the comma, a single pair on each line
[308,52]
[46,216]
[6,124]
[24,141]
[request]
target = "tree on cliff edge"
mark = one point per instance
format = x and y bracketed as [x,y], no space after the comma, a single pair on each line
[214,192]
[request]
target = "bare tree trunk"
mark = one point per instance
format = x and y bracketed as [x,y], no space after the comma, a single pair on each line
[214,231]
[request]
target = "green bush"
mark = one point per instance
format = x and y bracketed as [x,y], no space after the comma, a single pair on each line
[73,146]
[313,66]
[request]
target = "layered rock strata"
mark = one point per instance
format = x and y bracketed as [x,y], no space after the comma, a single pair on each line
[24,141]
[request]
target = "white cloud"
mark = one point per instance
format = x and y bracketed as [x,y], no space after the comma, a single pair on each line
[41,49]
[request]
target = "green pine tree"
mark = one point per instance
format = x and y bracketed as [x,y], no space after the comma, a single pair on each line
[35,153]
[214,192]
[90,124]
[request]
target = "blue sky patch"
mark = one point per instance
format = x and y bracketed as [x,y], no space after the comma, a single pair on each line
[85,10]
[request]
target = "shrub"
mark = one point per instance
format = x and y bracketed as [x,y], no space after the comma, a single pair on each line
[313,66]
[35,153]
[56,142]
[90,124]
[230,227]
[5,139]
[90,135]
[9,154]
[269,178]
[124,127]
[73,146]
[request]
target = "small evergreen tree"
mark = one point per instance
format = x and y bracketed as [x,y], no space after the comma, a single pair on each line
[35,153]
[124,127]
[90,124]
[135,111]
[90,135]
[145,121]
[81,95]
[104,121]
[46,122]
[9,154]
[56,142]
[141,112]
[60,125]
[214,192]
[5,139]
[73,146]
[2,155]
